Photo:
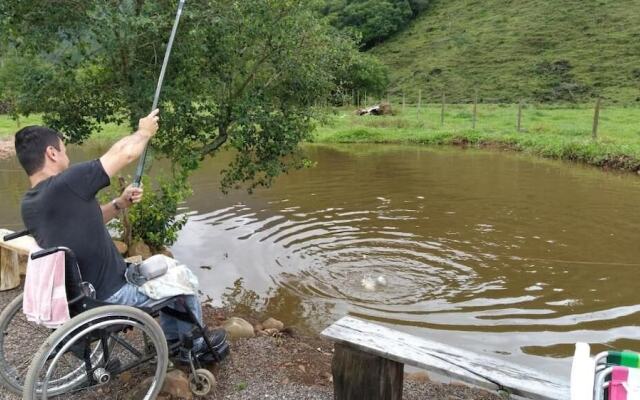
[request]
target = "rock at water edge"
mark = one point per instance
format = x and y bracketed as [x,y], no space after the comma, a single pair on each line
[238,328]
[272,323]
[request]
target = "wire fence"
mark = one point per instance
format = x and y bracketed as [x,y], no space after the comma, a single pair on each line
[597,119]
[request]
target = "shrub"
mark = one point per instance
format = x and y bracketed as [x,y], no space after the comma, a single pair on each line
[155,219]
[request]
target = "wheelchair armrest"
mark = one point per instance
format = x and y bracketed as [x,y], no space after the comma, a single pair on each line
[15,235]
[46,252]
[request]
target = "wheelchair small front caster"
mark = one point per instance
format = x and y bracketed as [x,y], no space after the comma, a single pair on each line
[202,382]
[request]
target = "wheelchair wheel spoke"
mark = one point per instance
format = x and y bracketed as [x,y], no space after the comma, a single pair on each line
[61,368]
[127,346]
[19,341]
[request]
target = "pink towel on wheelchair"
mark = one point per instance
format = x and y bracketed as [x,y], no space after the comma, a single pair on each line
[45,296]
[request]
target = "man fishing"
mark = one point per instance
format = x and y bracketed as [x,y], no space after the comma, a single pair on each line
[61,209]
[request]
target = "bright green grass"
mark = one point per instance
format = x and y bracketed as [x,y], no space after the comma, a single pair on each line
[497,47]
[561,133]
[109,132]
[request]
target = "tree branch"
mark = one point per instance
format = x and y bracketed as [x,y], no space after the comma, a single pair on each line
[217,142]
[251,76]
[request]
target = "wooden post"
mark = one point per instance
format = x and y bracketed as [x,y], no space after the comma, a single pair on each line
[444,99]
[519,123]
[475,111]
[419,102]
[365,99]
[9,269]
[358,375]
[596,119]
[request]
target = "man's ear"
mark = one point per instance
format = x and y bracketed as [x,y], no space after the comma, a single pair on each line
[51,153]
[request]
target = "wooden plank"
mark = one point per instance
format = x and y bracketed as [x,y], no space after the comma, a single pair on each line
[22,245]
[9,269]
[13,261]
[458,364]
[359,375]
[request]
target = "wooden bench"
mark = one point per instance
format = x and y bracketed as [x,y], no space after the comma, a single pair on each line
[13,259]
[369,360]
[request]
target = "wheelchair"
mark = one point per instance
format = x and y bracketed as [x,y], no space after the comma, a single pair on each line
[99,344]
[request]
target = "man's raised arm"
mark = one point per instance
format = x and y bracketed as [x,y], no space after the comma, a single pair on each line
[129,148]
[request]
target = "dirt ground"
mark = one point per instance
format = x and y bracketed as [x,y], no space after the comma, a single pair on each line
[290,366]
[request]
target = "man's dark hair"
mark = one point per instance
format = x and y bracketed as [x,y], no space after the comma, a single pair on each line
[32,142]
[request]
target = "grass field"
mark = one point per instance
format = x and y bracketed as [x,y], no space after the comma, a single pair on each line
[544,50]
[8,127]
[551,132]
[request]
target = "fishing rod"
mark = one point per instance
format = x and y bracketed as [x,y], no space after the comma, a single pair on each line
[140,168]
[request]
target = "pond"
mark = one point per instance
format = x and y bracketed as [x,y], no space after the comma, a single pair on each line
[495,252]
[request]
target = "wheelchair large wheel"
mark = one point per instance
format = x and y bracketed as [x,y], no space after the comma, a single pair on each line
[130,339]
[19,341]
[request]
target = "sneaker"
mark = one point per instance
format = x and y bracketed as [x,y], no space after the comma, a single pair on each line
[218,339]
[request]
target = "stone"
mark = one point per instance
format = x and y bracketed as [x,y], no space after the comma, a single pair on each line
[176,384]
[133,259]
[139,390]
[238,328]
[420,377]
[271,332]
[272,323]
[166,252]
[125,377]
[121,246]
[139,248]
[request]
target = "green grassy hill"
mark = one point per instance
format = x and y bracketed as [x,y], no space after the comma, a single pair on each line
[511,50]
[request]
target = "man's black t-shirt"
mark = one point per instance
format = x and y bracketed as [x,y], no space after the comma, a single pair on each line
[63,211]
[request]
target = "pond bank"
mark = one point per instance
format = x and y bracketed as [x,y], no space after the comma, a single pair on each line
[608,156]
[617,148]
[288,367]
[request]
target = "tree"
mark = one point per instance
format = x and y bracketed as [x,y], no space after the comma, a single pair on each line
[373,20]
[243,74]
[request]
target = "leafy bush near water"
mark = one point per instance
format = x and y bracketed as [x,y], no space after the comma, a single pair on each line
[154,220]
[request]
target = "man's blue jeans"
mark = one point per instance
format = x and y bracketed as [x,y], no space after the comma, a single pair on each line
[173,328]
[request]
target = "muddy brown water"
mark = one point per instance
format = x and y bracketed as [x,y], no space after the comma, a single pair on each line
[494,252]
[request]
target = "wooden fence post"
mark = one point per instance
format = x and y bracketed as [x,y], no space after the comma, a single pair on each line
[596,119]
[359,375]
[444,99]
[519,123]
[419,102]
[475,111]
